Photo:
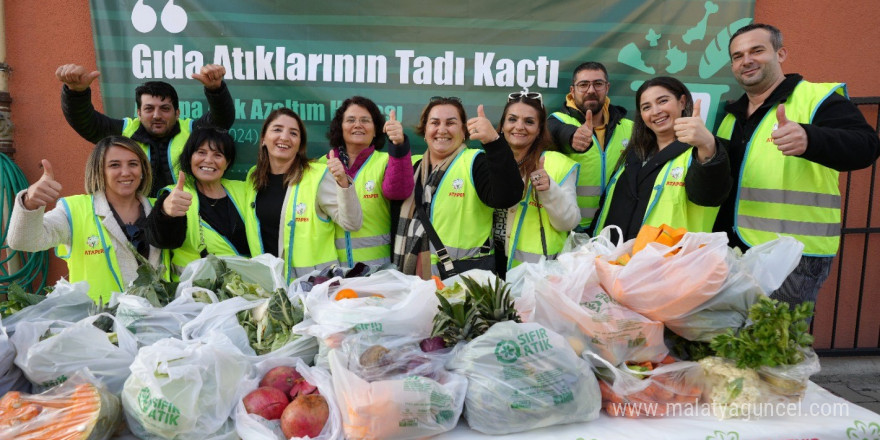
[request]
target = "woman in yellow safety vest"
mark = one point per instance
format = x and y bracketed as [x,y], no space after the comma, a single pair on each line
[672,171]
[357,134]
[98,232]
[294,201]
[445,226]
[539,224]
[202,213]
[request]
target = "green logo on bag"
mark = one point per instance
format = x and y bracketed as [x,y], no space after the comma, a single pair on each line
[507,352]
[718,435]
[864,431]
[157,408]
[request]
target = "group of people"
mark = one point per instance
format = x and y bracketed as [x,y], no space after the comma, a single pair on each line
[155,186]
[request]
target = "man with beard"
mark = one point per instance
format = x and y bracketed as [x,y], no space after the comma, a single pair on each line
[788,139]
[157,128]
[588,119]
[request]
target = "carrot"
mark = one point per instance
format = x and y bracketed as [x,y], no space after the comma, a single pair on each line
[440,285]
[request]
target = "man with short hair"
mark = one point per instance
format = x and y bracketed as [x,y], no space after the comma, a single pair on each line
[158,127]
[586,119]
[788,139]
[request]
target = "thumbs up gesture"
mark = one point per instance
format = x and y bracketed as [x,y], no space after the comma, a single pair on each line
[692,130]
[178,202]
[393,128]
[75,76]
[211,76]
[480,128]
[45,191]
[789,136]
[540,178]
[337,169]
[583,137]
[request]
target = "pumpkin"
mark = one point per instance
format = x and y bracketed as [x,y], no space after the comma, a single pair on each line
[67,412]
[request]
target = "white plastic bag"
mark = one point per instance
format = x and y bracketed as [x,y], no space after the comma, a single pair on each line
[405,395]
[11,378]
[265,270]
[67,302]
[522,376]
[221,318]
[73,347]
[150,324]
[185,389]
[770,263]
[664,286]
[254,427]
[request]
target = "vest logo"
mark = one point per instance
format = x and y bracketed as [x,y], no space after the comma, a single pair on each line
[624,142]
[300,208]
[144,18]
[676,173]
[457,184]
[92,241]
[370,186]
[535,204]
[674,183]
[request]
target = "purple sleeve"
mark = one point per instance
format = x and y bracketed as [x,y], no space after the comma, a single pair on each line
[398,183]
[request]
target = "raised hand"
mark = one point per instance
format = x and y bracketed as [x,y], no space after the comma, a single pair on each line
[692,130]
[211,75]
[394,129]
[583,137]
[789,136]
[178,202]
[76,77]
[480,128]
[44,191]
[540,178]
[334,165]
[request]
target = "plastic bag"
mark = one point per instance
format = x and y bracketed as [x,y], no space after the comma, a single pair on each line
[406,308]
[76,409]
[265,270]
[399,394]
[185,389]
[522,377]
[789,382]
[661,391]
[67,302]
[254,427]
[11,378]
[758,272]
[664,286]
[150,324]
[221,318]
[73,347]
[570,302]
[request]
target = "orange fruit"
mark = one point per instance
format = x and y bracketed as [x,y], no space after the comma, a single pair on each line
[345,294]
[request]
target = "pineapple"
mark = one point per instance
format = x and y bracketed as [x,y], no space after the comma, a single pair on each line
[483,306]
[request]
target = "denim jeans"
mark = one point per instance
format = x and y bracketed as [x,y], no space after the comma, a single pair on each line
[805,280]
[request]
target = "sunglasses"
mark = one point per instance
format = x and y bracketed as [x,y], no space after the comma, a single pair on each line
[446,99]
[534,96]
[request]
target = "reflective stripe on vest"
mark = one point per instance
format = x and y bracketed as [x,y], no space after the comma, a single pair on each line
[174,148]
[199,234]
[787,195]
[372,242]
[525,237]
[462,221]
[669,203]
[596,165]
[91,256]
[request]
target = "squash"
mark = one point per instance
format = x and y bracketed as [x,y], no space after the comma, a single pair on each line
[67,412]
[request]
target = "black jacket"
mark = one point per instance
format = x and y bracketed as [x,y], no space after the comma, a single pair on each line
[839,138]
[93,126]
[562,132]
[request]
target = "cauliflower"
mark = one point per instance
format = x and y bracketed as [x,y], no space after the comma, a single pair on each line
[733,392]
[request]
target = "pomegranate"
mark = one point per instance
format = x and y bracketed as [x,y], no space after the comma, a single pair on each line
[281,378]
[266,402]
[302,387]
[305,416]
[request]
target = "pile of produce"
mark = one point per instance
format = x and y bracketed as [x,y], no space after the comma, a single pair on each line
[285,395]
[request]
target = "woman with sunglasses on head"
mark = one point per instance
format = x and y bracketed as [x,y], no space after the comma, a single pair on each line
[456,191]
[202,213]
[294,201]
[539,224]
[672,172]
[97,233]
[357,134]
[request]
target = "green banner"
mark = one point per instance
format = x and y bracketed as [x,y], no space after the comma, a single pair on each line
[311,56]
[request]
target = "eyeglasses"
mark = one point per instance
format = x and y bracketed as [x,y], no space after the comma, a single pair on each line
[446,98]
[534,96]
[362,121]
[598,84]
